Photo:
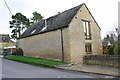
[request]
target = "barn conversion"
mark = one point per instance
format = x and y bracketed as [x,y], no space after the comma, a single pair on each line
[67,36]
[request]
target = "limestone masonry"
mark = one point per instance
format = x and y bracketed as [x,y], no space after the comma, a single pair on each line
[67,36]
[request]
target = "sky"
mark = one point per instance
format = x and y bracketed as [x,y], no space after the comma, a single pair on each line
[105,12]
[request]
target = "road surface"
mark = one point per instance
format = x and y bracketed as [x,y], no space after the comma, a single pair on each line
[12,69]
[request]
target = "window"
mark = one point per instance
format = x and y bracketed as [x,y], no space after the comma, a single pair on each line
[3,39]
[44,28]
[88,48]
[87,31]
[33,31]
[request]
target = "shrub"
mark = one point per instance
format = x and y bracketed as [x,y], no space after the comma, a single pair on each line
[116,49]
[108,50]
[19,52]
[111,50]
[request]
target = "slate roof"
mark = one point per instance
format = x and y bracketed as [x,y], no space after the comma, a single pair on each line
[61,20]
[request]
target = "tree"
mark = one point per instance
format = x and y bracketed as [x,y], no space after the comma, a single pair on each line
[36,17]
[110,38]
[18,24]
[114,39]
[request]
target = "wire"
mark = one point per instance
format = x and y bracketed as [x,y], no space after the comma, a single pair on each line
[8,7]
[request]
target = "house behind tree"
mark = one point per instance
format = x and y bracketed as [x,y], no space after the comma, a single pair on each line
[67,36]
[5,41]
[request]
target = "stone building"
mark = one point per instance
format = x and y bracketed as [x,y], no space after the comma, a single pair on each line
[67,36]
[5,42]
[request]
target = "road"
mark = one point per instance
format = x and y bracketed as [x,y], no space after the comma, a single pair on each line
[12,69]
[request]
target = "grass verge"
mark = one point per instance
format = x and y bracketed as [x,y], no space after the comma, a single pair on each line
[36,61]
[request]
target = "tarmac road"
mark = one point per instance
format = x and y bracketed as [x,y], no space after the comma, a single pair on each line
[12,69]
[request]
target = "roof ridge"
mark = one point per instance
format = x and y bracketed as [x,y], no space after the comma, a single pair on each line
[58,14]
[66,10]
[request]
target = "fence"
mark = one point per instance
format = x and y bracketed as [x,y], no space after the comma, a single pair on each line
[103,60]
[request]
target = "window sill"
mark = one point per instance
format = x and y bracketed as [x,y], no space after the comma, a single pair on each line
[89,53]
[88,39]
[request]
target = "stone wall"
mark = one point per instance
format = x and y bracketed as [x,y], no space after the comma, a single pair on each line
[77,37]
[103,60]
[47,45]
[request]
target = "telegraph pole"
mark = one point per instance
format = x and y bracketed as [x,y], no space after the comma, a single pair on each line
[118,31]
[8,7]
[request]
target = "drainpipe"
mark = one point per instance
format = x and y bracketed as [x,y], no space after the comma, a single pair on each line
[62,46]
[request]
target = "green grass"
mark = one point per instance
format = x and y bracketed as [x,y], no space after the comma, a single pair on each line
[36,61]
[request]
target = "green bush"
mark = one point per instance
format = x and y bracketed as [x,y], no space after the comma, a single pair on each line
[108,50]
[116,49]
[18,52]
[111,50]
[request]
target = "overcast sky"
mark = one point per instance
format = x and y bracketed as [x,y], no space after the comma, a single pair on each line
[104,11]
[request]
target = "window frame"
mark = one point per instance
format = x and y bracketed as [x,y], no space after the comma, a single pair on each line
[87,29]
[88,48]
